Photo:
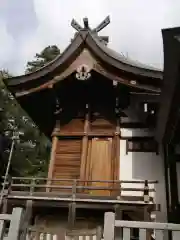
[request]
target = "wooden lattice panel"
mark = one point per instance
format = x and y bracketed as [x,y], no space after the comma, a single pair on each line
[67,160]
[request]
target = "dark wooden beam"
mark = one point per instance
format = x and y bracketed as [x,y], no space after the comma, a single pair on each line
[172,184]
[166,179]
[116,159]
[145,97]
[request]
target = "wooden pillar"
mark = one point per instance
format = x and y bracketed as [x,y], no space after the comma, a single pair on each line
[52,158]
[117,139]
[83,168]
[117,147]
[57,114]
[52,161]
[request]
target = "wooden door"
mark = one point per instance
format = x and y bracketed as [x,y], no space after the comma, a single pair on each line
[67,161]
[100,168]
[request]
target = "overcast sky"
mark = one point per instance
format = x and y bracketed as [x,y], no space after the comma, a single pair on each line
[27,26]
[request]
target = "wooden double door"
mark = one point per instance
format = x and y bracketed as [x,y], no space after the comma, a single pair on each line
[93,161]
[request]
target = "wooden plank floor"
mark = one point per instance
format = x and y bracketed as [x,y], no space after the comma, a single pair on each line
[56,196]
[54,199]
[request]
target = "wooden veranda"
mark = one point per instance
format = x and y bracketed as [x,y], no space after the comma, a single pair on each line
[157,231]
[65,191]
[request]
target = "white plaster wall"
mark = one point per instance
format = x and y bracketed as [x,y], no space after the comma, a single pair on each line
[142,166]
[136,132]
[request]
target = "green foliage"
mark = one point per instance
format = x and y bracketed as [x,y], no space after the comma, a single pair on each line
[31,155]
[47,55]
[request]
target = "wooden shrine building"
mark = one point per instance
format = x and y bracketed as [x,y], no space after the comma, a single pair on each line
[104,114]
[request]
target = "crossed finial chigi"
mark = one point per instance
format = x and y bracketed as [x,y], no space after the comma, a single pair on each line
[101,26]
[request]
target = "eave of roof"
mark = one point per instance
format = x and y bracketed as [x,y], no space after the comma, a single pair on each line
[170,93]
[57,62]
[121,62]
[91,41]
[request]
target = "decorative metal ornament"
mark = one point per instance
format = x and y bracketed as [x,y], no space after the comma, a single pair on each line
[133,82]
[115,83]
[83,72]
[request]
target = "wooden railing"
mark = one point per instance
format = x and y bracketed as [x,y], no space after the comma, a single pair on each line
[15,219]
[160,230]
[85,235]
[144,189]
[36,233]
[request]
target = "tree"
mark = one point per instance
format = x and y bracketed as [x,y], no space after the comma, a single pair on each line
[31,155]
[47,55]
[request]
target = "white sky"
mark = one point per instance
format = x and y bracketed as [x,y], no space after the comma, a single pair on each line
[27,26]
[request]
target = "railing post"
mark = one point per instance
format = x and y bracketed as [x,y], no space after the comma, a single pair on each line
[49,183]
[33,182]
[175,235]
[10,182]
[120,188]
[118,216]
[146,192]
[15,222]
[109,225]
[74,189]
[147,218]
[2,227]
[98,233]
[72,206]
[26,219]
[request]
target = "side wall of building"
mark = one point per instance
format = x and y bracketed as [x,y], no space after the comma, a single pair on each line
[143,166]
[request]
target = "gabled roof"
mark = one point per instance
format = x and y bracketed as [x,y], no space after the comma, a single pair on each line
[37,92]
[85,38]
[126,63]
